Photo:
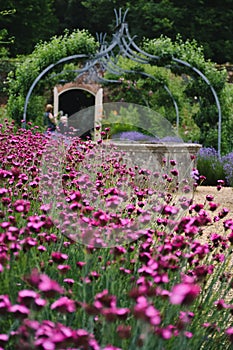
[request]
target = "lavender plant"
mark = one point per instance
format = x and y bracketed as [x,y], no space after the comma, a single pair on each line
[227,162]
[210,165]
[135,136]
[215,168]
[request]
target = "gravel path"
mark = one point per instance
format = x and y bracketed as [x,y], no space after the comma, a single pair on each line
[224,198]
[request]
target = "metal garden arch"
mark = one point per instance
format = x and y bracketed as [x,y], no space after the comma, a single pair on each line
[107,60]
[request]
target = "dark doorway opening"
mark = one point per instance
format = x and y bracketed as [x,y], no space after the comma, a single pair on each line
[73,101]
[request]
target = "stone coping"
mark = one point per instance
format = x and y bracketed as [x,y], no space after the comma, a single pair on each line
[161,147]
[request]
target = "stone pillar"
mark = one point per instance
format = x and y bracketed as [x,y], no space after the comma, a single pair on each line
[98,113]
[55,100]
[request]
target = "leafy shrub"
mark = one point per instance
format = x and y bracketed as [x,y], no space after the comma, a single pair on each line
[6,65]
[44,55]
[209,165]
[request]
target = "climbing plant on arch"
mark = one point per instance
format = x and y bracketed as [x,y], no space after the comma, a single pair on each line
[46,55]
[46,66]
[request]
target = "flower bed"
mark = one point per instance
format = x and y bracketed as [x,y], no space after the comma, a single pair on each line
[97,254]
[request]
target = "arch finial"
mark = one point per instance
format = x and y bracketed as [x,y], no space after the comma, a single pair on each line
[120,18]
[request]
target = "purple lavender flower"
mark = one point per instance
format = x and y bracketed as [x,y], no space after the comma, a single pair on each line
[210,165]
[135,136]
[171,139]
[228,168]
[206,152]
[195,174]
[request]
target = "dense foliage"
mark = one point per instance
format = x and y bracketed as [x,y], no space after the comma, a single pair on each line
[197,107]
[210,23]
[44,55]
[143,85]
[31,22]
[194,98]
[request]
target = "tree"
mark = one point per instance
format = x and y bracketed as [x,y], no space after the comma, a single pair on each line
[208,22]
[6,64]
[33,20]
[71,15]
[5,40]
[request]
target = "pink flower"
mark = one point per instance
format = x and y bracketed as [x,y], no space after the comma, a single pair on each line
[172,162]
[59,257]
[63,268]
[223,213]
[229,332]
[220,304]
[230,237]
[170,210]
[49,287]
[143,310]
[166,332]
[153,315]
[41,248]
[80,264]
[197,207]
[209,197]
[84,340]
[45,207]
[221,182]
[184,319]
[3,191]
[4,304]
[213,206]
[124,331]
[184,293]
[69,281]
[104,299]
[188,334]
[27,296]
[228,224]
[175,172]
[19,310]
[22,206]
[39,303]
[3,338]
[112,313]
[64,305]
[35,223]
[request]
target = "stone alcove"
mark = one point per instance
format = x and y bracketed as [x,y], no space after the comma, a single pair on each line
[72,97]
